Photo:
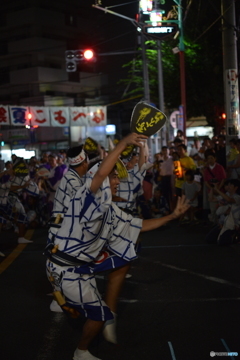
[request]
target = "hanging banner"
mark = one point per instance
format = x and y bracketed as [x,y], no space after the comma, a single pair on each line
[40,116]
[59,116]
[232,102]
[53,116]
[18,115]
[79,116]
[4,115]
[97,116]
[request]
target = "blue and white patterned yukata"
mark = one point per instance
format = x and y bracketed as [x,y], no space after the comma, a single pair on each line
[96,232]
[131,187]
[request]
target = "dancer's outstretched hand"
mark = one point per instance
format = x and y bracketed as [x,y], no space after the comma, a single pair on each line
[182,206]
[134,138]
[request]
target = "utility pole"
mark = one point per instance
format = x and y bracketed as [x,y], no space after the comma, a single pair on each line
[182,67]
[230,68]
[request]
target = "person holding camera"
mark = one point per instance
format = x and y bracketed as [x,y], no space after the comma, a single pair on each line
[214,177]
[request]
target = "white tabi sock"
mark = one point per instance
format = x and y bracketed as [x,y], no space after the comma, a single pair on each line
[22,240]
[109,330]
[83,355]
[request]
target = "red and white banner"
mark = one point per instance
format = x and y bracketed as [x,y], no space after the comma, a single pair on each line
[97,116]
[40,116]
[53,116]
[79,116]
[4,115]
[59,116]
[18,115]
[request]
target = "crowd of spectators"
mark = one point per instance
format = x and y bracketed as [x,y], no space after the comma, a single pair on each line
[206,173]
[202,171]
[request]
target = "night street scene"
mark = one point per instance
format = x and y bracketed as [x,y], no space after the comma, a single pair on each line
[120,179]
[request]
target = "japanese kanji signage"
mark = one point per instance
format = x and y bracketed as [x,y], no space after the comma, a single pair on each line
[53,115]
[232,103]
[4,115]
[18,115]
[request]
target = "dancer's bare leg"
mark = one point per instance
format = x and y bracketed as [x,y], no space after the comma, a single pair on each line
[114,286]
[90,329]
[115,282]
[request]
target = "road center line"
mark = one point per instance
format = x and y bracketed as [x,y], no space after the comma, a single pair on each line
[171,350]
[211,278]
[227,348]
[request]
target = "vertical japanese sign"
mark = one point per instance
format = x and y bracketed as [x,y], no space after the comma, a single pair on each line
[4,115]
[180,125]
[232,101]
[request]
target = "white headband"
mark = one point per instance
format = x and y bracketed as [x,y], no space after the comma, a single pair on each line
[78,159]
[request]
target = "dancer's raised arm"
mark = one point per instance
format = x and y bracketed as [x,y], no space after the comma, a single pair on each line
[108,163]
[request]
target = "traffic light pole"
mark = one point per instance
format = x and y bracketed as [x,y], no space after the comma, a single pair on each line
[144,58]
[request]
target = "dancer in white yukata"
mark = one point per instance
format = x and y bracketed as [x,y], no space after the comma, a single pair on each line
[72,181]
[10,204]
[95,235]
[130,187]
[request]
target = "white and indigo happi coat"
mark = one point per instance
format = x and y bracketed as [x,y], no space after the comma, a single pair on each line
[69,185]
[131,187]
[94,230]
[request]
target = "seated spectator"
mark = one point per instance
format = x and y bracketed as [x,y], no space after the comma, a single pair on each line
[232,156]
[159,205]
[214,177]
[191,189]
[222,234]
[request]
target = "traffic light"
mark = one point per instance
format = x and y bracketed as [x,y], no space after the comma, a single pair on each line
[73,57]
[223,116]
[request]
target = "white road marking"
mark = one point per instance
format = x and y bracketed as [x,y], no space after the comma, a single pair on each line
[211,278]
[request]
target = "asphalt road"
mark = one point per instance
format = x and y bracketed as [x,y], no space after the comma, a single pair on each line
[181,303]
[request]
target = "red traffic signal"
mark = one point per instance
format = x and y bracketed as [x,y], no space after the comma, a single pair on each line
[72,57]
[223,116]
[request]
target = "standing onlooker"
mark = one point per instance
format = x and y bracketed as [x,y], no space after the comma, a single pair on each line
[156,170]
[220,150]
[166,172]
[186,163]
[213,173]
[191,190]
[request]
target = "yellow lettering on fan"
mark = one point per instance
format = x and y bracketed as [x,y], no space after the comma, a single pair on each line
[143,113]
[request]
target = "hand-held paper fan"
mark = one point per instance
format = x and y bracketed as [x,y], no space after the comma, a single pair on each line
[127,151]
[43,172]
[20,168]
[121,169]
[146,119]
[90,145]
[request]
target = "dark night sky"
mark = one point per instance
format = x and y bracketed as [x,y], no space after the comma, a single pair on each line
[111,33]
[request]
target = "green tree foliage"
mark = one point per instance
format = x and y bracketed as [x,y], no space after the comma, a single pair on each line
[203,65]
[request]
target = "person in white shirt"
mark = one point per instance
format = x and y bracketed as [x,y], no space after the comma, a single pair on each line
[166,172]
